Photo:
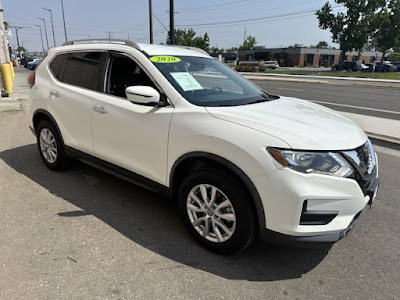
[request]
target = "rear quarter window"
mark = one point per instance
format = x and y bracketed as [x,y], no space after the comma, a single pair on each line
[56,63]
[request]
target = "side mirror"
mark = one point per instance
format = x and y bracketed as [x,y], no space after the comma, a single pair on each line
[142,94]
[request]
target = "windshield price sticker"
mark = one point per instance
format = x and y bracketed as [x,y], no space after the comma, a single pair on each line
[186,81]
[165,59]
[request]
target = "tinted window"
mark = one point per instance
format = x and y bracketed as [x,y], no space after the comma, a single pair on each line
[56,64]
[125,72]
[82,69]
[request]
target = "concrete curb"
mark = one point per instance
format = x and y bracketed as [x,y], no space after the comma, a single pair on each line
[384,141]
[372,80]
[9,104]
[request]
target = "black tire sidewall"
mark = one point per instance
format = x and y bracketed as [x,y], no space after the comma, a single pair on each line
[244,232]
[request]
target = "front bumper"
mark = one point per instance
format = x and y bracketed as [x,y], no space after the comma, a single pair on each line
[311,240]
[289,196]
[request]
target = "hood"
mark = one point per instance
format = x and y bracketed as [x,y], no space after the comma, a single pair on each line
[300,123]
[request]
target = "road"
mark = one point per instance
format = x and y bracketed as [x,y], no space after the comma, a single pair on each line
[83,234]
[375,101]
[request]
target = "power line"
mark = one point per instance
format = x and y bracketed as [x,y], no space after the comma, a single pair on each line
[253,19]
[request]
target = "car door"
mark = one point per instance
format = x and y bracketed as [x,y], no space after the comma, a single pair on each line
[71,94]
[129,135]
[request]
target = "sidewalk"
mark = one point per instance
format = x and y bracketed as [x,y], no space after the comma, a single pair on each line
[13,101]
[386,131]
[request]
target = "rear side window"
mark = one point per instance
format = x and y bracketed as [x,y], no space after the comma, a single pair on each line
[82,69]
[55,65]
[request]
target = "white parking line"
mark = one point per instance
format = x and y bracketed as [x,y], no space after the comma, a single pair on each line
[358,107]
[289,89]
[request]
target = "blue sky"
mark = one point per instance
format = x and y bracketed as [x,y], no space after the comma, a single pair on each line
[292,20]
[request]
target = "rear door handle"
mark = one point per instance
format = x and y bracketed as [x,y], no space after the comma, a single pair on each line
[100,109]
[54,94]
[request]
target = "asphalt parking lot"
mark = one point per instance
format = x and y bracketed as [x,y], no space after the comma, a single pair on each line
[84,234]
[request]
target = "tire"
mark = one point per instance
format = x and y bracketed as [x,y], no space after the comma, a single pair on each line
[231,218]
[50,146]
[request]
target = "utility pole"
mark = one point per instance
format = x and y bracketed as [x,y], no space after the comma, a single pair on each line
[41,36]
[65,29]
[109,33]
[45,32]
[52,25]
[171,22]
[16,34]
[151,22]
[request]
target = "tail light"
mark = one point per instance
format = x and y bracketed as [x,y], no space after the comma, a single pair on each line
[31,79]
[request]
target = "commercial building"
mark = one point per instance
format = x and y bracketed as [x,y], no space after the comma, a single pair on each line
[303,56]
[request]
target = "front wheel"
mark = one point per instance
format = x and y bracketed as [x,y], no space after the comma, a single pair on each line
[217,211]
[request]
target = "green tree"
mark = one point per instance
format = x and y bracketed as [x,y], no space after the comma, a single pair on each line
[217,50]
[350,29]
[188,37]
[394,56]
[386,27]
[321,44]
[249,43]
[232,49]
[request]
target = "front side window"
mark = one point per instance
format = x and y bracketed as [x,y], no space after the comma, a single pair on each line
[208,82]
[124,72]
[82,69]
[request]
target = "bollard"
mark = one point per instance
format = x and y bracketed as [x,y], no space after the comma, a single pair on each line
[12,70]
[7,77]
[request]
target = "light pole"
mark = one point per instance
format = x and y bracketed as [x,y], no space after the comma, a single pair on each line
[65,29]
[171,22]
[151,22]
[45,32]
[52,25]
[41,36]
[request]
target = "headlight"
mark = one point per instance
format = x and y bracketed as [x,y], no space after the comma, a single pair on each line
[328,163]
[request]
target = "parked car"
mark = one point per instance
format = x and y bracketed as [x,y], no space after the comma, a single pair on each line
[33,64]
[239,162]
[25,61]
[271,64]
[396,64]
[386,67]
[354,66]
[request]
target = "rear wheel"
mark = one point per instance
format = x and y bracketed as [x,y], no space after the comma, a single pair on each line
[50,146]
[217,211]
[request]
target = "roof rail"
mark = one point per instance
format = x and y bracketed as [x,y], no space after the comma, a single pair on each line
[103,41]
[193,49]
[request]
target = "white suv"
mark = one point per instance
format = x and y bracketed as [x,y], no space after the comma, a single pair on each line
[239,161]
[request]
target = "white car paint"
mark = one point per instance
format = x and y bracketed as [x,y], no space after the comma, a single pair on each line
[150,140]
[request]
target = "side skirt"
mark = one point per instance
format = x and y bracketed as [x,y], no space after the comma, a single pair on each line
[118,171]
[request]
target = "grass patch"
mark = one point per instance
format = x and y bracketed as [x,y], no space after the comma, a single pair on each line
[389,75]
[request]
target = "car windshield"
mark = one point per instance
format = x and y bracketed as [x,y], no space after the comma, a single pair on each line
[208,82]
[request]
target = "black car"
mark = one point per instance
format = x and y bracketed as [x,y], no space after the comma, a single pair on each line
[354,66]
[33,64]
[397,65]
[25,60]
[386,67]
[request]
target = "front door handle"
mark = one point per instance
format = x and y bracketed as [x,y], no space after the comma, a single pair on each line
[54,94]
[100,109]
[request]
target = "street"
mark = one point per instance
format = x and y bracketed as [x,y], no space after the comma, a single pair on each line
[84,234]
[380,102]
